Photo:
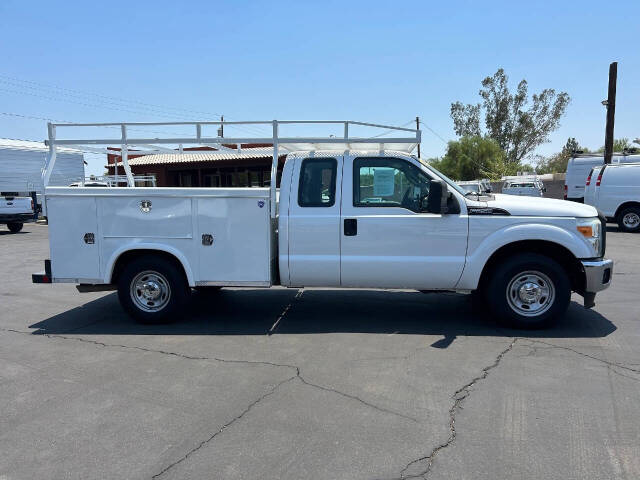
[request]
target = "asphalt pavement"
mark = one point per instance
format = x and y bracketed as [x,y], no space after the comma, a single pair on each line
[313,383]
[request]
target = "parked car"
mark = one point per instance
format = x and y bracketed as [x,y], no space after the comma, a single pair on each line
[15,211]
[528,188]
[472,187]
[578,169]
[481,187]
[371,218]
[614,189]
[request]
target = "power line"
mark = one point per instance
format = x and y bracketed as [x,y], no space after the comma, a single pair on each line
[391,130]
[106,97]
[12,114]
[53,92]
[433,131]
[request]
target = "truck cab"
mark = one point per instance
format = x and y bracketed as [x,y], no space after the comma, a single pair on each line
[369,220]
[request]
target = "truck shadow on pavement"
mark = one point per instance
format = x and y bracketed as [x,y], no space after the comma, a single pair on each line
[288,311]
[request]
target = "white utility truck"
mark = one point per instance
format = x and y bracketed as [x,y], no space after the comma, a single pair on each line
[353,212]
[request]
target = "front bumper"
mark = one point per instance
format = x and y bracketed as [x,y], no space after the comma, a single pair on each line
[597,277]
[597,274]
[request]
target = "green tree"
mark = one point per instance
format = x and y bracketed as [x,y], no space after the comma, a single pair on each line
[517,129]
[619,144]
[471,158]
[557,163]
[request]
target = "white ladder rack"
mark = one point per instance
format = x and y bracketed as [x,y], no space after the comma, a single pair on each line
[152,146]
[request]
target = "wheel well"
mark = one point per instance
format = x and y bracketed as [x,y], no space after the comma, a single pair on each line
[555,251]
[130,255]
[625,205]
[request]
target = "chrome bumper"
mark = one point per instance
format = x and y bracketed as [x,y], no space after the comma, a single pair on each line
[597,274]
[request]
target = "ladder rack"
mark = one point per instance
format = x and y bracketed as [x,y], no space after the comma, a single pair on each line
[150,146]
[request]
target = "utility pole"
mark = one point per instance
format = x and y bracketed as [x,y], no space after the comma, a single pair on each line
[418,128]
[222,126]
[610,103]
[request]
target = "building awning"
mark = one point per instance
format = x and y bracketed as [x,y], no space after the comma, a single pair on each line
[200,156]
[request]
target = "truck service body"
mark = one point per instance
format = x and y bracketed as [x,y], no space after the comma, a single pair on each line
[348,215]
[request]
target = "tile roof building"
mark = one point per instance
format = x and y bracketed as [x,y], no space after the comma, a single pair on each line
[248,166]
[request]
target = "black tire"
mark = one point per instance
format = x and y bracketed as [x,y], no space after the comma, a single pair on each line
[528,275]
[629,220]
[162,278]
[15,227]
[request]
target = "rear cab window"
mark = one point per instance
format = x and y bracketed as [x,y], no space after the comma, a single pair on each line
[317,187]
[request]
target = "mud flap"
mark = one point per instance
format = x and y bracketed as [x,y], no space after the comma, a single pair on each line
[589,300]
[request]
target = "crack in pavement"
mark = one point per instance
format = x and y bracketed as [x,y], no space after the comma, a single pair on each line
[297,370]
[358,399]
[592,357]
[612,368]
[222,360]
[223,428]
[458,397]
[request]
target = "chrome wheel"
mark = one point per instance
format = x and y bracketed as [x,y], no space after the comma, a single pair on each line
[631,220]
[530,293]
[150,291]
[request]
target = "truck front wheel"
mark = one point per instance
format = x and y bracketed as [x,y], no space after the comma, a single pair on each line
[14,227]
[152,290]
[528,291]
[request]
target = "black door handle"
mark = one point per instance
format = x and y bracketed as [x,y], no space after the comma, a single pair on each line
[350,227]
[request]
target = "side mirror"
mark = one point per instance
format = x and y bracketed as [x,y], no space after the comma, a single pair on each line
[436,201]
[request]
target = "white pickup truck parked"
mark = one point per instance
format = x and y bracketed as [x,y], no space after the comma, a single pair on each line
[15,211]
[352,212]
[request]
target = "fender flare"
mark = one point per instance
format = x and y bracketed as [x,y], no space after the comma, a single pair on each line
[149,246]
[476,262]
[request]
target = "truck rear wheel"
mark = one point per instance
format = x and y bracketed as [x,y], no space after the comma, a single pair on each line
[15,227]
[153,290]
[629,220]
[528,291]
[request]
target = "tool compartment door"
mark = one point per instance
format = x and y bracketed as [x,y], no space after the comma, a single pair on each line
[74,239]
[233,238]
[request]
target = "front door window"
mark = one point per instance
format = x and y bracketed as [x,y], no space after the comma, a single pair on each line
[388,182]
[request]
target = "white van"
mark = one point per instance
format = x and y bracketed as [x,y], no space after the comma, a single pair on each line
[578,169]
[615,190]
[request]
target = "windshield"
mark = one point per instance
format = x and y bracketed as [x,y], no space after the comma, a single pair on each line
[450,183]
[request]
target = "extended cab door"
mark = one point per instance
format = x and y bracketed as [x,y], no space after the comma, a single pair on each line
[386,240]
[314,222]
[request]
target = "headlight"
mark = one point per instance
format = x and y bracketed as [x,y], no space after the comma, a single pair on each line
[591,230]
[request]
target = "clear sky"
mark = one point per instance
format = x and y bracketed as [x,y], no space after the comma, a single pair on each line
[372,61]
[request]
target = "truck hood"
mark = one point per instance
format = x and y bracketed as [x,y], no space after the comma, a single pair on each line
[535,206]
